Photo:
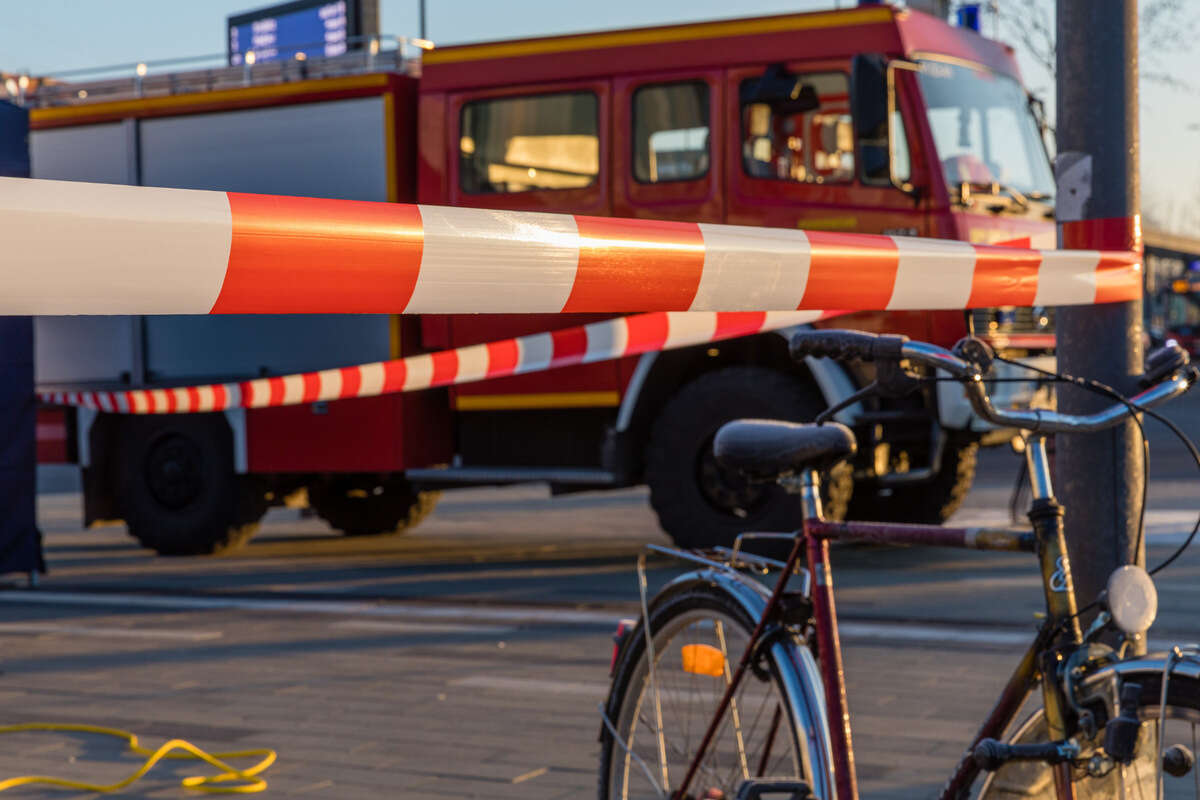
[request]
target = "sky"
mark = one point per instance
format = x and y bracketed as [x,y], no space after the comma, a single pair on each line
[50,36]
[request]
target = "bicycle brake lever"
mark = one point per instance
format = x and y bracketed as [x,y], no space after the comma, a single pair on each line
[976,351]
[1098,626]
[1162,362]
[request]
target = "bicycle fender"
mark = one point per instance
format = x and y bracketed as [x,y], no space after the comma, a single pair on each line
[1145,670]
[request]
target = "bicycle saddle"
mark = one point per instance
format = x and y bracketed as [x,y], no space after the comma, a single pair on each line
[764,449]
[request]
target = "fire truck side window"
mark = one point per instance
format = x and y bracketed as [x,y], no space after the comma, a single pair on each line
[809,147]
[522,144]
[670,132]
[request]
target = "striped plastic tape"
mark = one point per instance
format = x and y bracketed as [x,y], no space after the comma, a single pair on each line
[599,341]
[79,248]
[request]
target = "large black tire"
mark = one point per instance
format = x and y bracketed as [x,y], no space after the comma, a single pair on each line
[928,503]
[366,505]
[700,504]
[177,488]
[688,617]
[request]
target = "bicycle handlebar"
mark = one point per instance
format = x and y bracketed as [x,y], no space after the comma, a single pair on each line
[870,347]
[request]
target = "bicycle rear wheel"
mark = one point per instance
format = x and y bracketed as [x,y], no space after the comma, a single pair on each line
[699,634]
[1135,781]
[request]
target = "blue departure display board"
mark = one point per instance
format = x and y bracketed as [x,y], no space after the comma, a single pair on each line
[313,27]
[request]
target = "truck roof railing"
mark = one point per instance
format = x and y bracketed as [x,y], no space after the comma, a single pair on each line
[190,74]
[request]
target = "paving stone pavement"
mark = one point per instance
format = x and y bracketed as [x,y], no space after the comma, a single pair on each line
[364,705]
[367,712]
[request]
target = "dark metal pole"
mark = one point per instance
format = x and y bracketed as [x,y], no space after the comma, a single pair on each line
[1099,475]
[421,18]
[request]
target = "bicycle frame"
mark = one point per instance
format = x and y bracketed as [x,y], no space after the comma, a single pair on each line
[1059,634]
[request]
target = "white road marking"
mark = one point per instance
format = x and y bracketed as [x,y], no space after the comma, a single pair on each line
[108,633]
[418,627]
[418,618]
[1163,526]
[932,633]
[530,685]
[456,614]
[937,634]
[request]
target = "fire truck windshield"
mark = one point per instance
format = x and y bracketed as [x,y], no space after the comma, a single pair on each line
[984,130]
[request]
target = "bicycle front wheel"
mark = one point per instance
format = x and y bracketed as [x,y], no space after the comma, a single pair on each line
[699,635]
[1094,777]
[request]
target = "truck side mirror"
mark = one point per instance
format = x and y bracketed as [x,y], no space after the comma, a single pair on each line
[869,109]
[1038,107]
[882,146]
[868,95]
[783,92]
[874,161]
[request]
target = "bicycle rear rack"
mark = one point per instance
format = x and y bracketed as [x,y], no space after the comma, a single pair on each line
[735,558]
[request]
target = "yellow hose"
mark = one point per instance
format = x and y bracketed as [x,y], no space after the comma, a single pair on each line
[204,783]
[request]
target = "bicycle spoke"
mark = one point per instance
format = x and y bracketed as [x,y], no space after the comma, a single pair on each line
[652,660]
[685,755]
[693,691]
[734,715]
[766,755]
[684,692]
[749,738]
[754,725]
[628,758]
[1137,776]
[669,694]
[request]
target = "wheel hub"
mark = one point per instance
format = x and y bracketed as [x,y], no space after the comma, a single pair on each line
[173,471]
[727,490]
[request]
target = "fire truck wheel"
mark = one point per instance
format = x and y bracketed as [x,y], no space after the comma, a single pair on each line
[177,487]
[701,504]
[928,503]
[360,505]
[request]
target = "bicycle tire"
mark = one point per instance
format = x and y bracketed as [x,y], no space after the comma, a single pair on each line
[1034,781]
[689,615]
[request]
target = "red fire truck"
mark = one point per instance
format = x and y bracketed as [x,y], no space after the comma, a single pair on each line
[873,120]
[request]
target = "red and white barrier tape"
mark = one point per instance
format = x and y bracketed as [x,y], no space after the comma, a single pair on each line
[599,341]
[78,248]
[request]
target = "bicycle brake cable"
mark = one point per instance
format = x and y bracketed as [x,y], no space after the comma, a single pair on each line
[846,402]
[1103,389]
[1195,453]
[1192,449]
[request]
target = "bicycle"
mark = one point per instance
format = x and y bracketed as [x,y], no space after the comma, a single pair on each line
[685,720]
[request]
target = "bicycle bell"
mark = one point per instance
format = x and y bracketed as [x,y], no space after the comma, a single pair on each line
[1132,599]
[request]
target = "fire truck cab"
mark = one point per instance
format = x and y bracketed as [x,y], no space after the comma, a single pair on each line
[872,120]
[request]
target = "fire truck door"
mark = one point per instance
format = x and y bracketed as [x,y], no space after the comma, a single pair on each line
[666,164]
[541,147]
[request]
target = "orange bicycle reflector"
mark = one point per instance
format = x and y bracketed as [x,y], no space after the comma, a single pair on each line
[703,659]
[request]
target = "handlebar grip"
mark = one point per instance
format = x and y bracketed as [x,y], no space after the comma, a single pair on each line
[843,345]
